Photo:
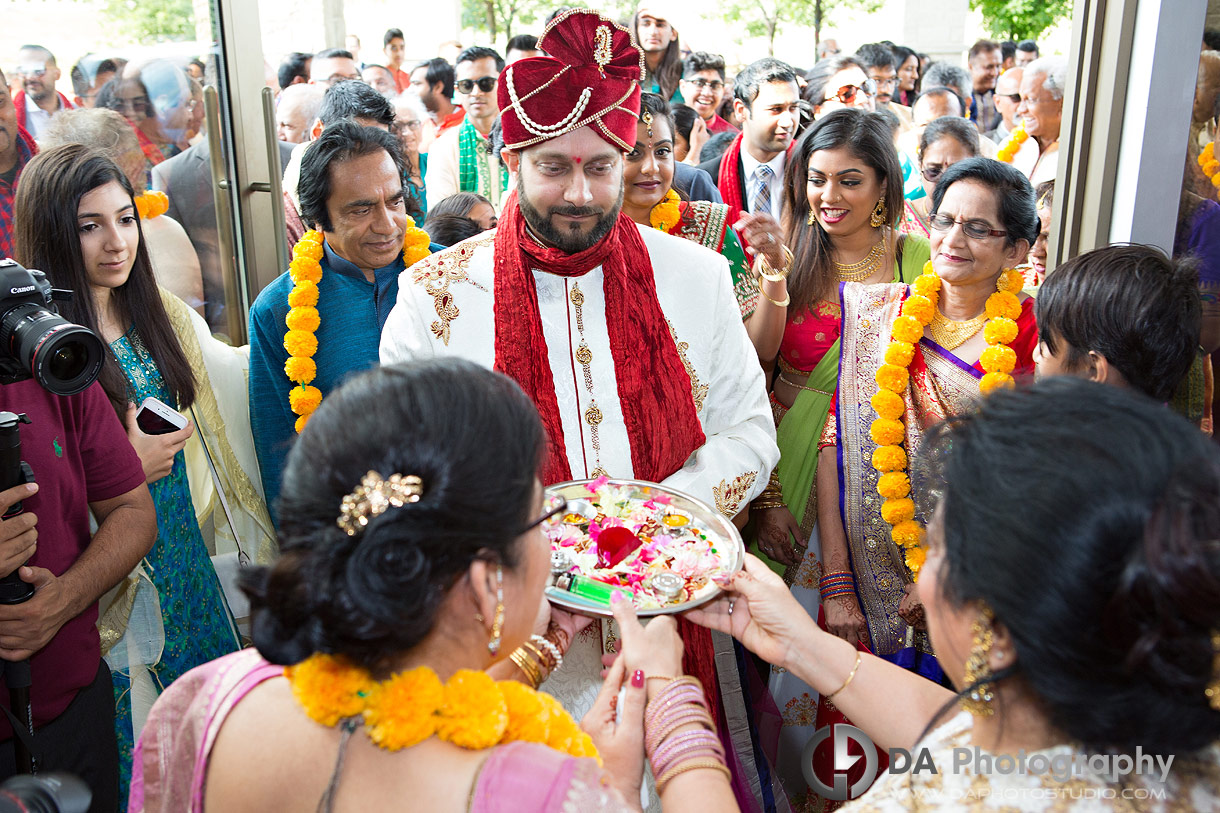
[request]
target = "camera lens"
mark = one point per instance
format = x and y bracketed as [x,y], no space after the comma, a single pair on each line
[62,357]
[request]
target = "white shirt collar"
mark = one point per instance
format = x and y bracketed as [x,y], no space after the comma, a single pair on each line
[750,164]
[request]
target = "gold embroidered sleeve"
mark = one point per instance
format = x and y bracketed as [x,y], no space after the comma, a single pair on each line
[730,493]
[438,272]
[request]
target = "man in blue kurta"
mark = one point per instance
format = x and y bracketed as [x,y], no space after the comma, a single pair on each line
[351,190]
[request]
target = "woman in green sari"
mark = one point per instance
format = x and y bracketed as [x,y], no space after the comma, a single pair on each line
[843,197]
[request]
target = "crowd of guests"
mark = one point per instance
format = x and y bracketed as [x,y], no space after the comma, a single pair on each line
[869,277]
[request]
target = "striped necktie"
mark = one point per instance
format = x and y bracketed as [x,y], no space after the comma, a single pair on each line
[761,203]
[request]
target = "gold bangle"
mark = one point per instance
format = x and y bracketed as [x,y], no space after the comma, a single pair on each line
[529,669]
[691,765]
[786,301]
[850,677]
[764,265]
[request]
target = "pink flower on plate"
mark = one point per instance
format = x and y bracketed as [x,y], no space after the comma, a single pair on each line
[597,527]
[596,484]
[566,536]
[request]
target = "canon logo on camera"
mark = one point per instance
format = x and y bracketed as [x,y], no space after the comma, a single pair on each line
[22,290]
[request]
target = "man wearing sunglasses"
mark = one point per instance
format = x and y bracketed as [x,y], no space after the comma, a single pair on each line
[1007,100]
[459,160]
[38,100]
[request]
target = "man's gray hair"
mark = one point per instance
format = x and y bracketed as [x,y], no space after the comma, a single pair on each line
[942,74]
[1054,69]
[413,102]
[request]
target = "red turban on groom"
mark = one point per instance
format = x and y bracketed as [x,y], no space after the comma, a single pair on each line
[591,78]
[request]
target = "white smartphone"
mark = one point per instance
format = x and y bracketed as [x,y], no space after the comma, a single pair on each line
[155,417]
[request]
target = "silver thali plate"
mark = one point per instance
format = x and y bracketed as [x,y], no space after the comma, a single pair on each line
[728,542]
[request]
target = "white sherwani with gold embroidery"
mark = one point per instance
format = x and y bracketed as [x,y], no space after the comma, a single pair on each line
[444,308]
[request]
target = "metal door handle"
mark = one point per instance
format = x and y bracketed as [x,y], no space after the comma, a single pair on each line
[225,237]
[275,187]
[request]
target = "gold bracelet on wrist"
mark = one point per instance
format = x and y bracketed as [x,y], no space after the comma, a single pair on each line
[777,303]
[527,667]
[850,677]
[764,269]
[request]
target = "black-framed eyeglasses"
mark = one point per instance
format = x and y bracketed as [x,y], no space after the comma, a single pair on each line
[847,93]
[552,506]
[977,229]
[713,84]
[886,83]
[486,84]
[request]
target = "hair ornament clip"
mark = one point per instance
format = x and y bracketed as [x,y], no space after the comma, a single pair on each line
[646,117]
[374,496]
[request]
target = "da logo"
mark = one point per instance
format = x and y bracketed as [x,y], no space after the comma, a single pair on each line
[832,781]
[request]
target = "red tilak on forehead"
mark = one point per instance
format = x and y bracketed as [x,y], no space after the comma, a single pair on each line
[576,159]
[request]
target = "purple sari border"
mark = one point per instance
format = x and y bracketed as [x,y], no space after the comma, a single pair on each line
[950,357]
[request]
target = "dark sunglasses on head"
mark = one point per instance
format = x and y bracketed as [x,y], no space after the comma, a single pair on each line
[847,93]
[487,84]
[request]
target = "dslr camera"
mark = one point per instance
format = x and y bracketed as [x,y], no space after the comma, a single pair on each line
[36,342]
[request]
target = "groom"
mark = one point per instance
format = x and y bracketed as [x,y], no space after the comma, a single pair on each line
[628,340]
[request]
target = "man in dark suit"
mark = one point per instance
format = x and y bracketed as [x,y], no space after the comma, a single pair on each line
[187,180]
[766,98]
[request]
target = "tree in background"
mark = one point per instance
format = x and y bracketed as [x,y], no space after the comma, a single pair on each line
[151,20]
[1018,20]
[762,18]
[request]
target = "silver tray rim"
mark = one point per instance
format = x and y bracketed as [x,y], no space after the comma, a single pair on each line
[727,530]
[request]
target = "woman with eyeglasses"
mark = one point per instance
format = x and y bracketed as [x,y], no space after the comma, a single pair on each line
[412,577]
[409,117]
[911,356]
[943,143]
[838,82]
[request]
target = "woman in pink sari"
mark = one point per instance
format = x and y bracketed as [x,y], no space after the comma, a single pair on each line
[413,570]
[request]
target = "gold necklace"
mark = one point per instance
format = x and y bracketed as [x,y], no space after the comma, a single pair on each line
[862,270]
[951,334]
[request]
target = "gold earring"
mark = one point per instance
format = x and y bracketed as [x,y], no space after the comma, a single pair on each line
[978,672]
[497,623]
[880,214]
[811,219]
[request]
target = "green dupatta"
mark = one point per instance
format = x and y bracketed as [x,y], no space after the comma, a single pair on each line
[473,173]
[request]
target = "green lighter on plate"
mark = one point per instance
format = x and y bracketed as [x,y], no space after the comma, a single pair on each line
[591,589]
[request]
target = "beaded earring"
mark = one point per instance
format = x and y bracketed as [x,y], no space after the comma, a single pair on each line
[978,671]
[497,623]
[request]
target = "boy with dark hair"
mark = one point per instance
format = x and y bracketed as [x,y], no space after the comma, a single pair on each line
[395,48]
[704,88]
[1125,315]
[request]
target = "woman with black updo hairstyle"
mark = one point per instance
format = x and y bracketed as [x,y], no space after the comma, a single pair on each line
[413,564]
[1072,594]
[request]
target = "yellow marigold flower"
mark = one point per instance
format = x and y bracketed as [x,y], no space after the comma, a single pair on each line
[1216,181]
[564,733]
[303,268]
[907,329]
[899,353]
[892,377]
[307,250]
[414,254]
[886,432]
[915,558]
[473,714]
[312,236]
[142,207]
[1212,167]
[896,511]
[927,283]
[583,747]
[1003,305]
[304,399]
[528,720]
[1208,153]
[994,381]
[894,486]
[907,534]
[302,370]
[303,295]
[418,690]
[299,426]
[889,458]
[303,319]
[1011,281]
[300,343]
[328,687]
[999,358]
[888,404]
[920,308]
[1000,331]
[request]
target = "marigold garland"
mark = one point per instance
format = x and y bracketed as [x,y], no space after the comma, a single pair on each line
[888,430]
[666,214]
[151,204]
[1012,145]
[303,319]
[471,711]
[1210,166]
